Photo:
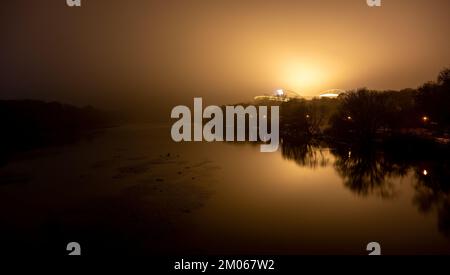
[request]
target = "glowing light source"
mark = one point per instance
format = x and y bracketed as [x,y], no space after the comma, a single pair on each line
[280,92]
[425,118]
[305,74]
[333,93]
[425,172]
[349,118]
[329,95]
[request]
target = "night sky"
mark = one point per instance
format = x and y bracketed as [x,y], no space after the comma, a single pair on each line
[153,55]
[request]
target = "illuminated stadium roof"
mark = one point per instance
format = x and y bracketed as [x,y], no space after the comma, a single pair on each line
[333,93]
[279,95]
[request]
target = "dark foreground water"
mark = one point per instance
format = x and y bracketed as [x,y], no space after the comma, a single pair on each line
[131,190]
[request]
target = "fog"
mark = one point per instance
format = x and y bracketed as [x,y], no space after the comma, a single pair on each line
[148,56]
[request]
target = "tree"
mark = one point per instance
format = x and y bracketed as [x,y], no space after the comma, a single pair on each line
[360,114]
[433,99]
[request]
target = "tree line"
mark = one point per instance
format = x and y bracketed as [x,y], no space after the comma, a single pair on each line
[365,114]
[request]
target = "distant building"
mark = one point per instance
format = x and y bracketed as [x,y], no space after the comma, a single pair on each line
[279,95]
[334,93]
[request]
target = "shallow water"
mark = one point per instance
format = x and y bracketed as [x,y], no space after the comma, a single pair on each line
[132,190]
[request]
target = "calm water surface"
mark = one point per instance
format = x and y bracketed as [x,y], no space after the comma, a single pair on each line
[132,190]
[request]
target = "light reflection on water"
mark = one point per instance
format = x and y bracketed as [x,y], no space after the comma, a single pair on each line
[134,186]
